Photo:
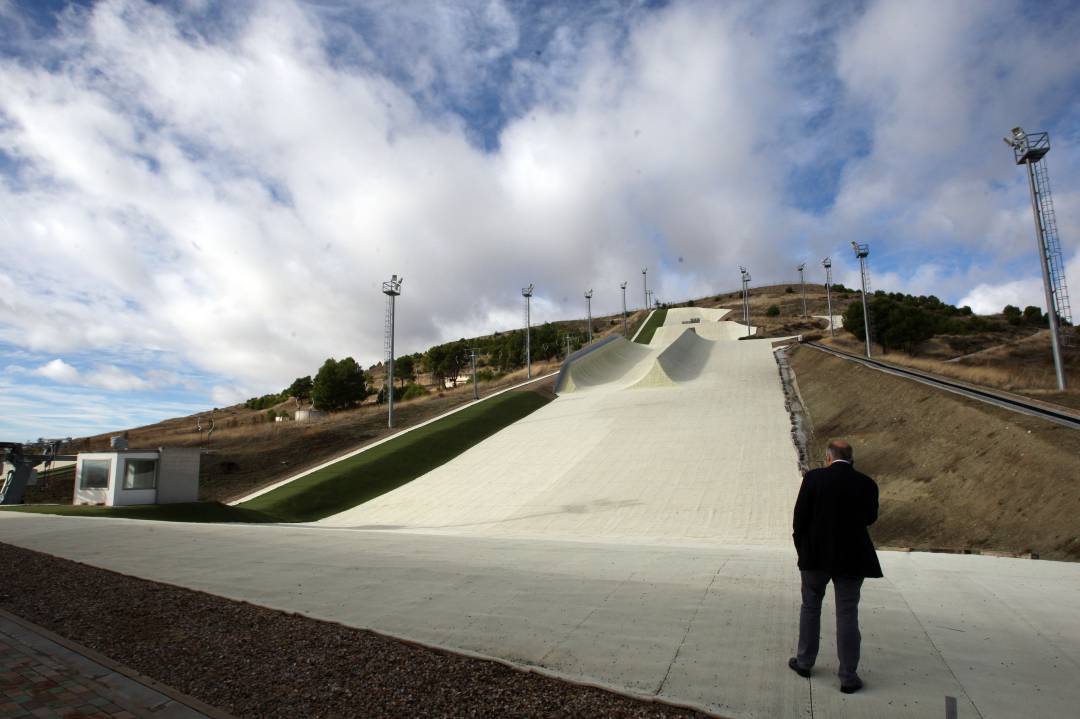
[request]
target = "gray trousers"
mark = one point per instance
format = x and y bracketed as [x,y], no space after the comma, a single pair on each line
[846,592]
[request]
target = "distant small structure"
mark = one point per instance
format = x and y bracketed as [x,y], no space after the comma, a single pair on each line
[122,476]
[308,414]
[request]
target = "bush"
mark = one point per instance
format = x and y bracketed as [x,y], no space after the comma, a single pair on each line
[773,311]
[413,390]
[789,290]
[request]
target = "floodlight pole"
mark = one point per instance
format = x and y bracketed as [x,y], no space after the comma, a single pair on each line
[527,293]
[588,311]
[645,286]
[802,283]
[567,337]
[1028,149]
[626,333]
[827,262]
[862,252]
[746,298]
[475,390]
[391,289]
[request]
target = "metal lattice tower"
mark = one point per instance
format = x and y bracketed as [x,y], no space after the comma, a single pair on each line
[645,286]
[1029,149]
[1054,260]
[862,252]
[391,289]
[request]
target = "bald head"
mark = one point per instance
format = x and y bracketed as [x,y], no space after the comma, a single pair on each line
[838,449]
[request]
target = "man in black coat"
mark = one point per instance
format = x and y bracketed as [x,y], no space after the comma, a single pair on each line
[835,506]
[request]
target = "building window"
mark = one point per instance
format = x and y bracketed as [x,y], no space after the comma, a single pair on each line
[140,474]
[95,474]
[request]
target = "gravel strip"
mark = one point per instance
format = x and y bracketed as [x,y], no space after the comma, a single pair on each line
[257,662]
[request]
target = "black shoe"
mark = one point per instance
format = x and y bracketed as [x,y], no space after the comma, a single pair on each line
[851,687]
[794,664]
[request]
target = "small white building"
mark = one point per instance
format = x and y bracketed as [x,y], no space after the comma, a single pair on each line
[120,477]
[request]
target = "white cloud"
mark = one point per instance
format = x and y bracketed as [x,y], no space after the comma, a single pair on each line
[59,371]
[234,200]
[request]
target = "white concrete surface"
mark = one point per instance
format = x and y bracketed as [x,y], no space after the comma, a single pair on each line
[837,321]
[709,624]
[686,439]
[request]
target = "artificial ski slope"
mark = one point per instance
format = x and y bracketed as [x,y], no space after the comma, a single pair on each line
[684,439]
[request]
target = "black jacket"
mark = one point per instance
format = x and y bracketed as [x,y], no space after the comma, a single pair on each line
[836,504]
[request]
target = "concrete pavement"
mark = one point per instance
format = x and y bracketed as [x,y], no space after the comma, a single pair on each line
[707,624]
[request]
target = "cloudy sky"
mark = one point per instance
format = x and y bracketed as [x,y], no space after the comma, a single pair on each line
[199,200]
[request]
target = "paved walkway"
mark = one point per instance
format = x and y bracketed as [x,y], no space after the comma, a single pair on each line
[695,623]
[43,679]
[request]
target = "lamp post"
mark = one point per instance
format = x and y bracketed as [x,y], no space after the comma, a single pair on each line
[862,252]
[625,332]
[802,287]
[1028,149]
[527,293]
[645,286]
[391,289]
[588,311]
[746,297]
[827,263]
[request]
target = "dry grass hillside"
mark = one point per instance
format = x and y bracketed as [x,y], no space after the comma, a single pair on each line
[954,473]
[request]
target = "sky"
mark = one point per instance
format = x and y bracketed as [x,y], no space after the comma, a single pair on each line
[200,200]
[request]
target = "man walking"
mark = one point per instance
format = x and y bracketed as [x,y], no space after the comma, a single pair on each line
[835,506]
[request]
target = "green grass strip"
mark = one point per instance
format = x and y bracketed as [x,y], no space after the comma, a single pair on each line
[184,512]
[361,478]
[655,320]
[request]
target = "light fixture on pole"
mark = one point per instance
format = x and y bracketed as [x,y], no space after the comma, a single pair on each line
[827,263]
[588,311]
[527,293]
[645,286]
[862,251]
[625,332]
[746,297]
[802,284]
[1028,149]
[475,389]
[391,289]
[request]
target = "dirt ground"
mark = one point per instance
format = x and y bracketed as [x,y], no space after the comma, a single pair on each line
[954,474]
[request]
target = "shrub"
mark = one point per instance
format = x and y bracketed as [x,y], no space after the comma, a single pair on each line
[773,311]
[413,390]
[789,290]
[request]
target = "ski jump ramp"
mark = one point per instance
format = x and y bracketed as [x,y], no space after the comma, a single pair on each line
[684,439]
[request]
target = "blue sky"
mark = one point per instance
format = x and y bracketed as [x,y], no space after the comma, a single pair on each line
[199,200]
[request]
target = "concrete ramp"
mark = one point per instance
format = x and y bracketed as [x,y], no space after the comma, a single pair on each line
[686,441]
[681,361]
[617,360]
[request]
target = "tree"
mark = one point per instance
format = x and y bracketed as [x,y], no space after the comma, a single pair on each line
[405,369]
[773,311]
[338,385]
[1034,316]
[1012,314]
[300,388]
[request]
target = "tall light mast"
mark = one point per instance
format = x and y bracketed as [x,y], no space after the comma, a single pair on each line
[827,263]
[802,284]
[645,286]
[391,289]
[588,311]
[746,297]
[862,251]
[527,293]
[625,332]
[1029,149]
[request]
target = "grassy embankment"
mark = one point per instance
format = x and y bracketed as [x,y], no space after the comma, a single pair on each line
[388,466]
[655,320]
[347,483]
